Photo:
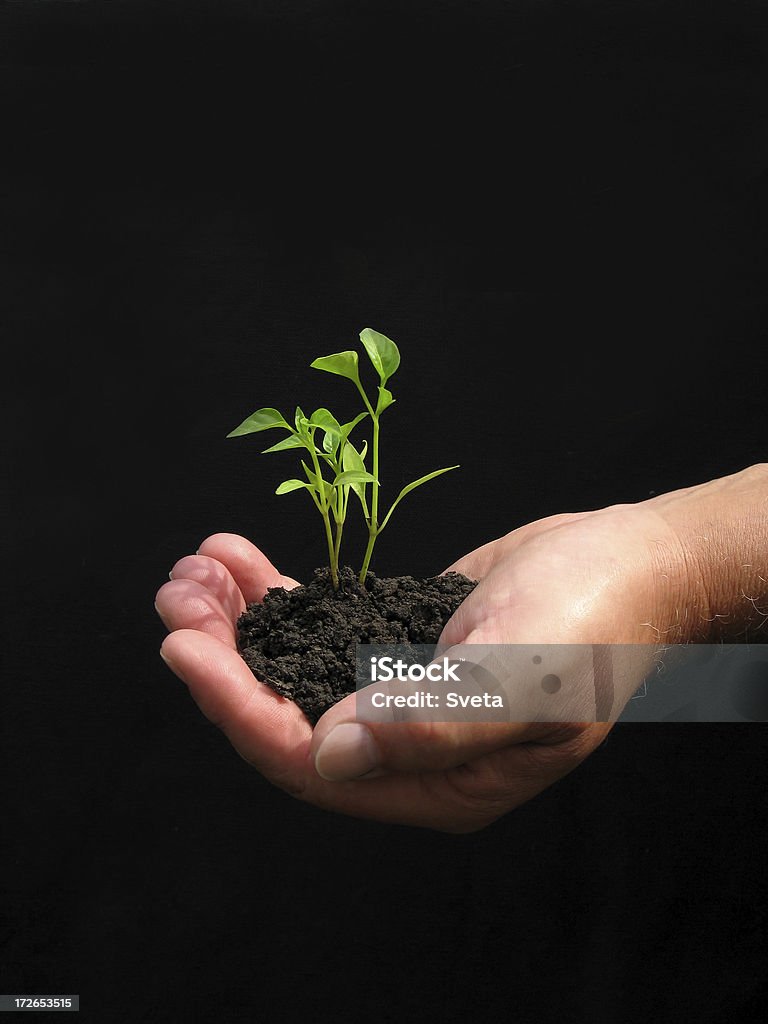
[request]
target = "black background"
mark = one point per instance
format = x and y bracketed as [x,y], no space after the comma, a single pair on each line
[558,211]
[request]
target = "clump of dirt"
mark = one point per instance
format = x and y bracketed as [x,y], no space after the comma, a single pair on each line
[301,642]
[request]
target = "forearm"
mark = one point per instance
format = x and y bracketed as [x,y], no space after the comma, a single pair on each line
[721,591]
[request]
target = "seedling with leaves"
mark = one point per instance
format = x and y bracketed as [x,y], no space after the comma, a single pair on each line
[336,451]
[330,496]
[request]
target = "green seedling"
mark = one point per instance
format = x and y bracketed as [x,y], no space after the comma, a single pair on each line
[336,456]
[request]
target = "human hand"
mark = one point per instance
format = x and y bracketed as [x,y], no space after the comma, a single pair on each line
[580,581]
[440,775]
[620,575]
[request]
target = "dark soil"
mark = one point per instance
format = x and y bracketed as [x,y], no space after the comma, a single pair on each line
[301,642]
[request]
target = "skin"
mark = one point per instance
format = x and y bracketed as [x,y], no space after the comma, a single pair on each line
[688,566]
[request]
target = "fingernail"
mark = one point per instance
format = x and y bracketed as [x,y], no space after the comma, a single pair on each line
[168,660]
[347,752]
[170,575]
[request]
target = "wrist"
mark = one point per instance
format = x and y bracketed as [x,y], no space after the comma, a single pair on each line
[716,583]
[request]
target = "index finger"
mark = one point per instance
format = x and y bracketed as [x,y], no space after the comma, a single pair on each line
[250,568]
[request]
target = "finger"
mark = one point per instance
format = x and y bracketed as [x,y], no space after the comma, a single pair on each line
[477,563]
[250,568]
[345,747]
[483,699]
[269,731]
[472,616]
[186,604]
[467,797]
[214,576]
[501,608]
[473,610]
[441,800]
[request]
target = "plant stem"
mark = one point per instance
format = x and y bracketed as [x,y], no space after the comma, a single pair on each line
[367,559]
[373,523]
[340,516]
[332,552]
[337,544]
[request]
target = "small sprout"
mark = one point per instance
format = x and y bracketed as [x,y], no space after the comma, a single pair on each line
[346,464]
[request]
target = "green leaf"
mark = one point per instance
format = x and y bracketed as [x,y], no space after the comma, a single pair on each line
[352,459]
[292,441]
[382,352]
[291,485]
[411,487]
[342,363]
[311,475]
[325,420]
[302,426]
[354,476]
[347,428]
[330,443]
[354,462]
[318,483]
[262,419]
[385,400]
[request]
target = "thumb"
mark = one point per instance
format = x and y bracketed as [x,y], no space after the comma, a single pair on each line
[479,706]
[345,747]
[539,694]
